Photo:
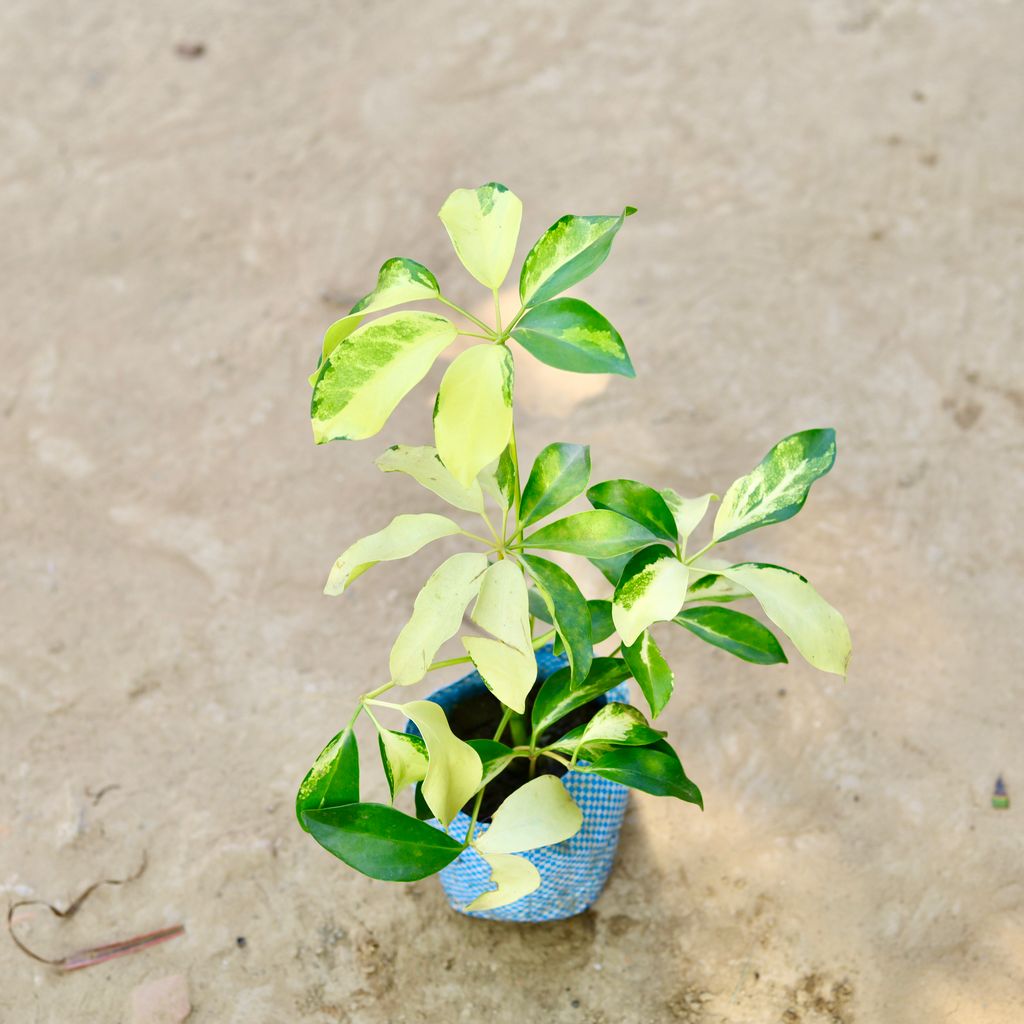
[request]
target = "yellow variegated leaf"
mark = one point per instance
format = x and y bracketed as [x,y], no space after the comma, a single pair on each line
[404,758]
[372,370]
[403,536]
[473,415]
[454,769]
[652,589]
[483,224]
[424,465]
[506,663]
[514,878]
[399,280]
[437,615]
[815,627]
[539,813]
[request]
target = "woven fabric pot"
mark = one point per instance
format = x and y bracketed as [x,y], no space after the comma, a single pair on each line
[572,873]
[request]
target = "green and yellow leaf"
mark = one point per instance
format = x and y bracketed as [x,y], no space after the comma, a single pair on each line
[560,473]
[437,615]
[514,877]
[732,631]
[777,489]
[598,534]
[483,224]
[454,769]
[505,659]
[638,502]
[652,589]
[372,370]
[473,415]
[539,813]
[334,777]
[571,335]
[569,611]
[570,250]
[687,512]
[651,671]
[404,758]
[399,281]
[815,627]
[424,465]
[403,536]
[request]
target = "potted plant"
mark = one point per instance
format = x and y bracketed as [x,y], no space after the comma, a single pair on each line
[521,770]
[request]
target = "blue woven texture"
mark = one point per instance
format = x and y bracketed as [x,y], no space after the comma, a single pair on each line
[572,873]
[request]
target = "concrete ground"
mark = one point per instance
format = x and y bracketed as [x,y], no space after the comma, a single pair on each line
[831,231]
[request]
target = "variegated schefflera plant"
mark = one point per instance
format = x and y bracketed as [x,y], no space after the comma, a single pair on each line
[637,535]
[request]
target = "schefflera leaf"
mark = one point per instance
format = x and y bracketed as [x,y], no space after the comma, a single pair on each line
[687,512]
[404,758]
[483,224]
[437,615]
[650,670]
[505,659]
[473,414]
[570,250]
[372,370]
[403,536]
[500,479]
[539,813]
[652,589]
[655,769]
[777,488]
[815,627]
[569,611]
[454,769]
[599,534]
[560,473]
[399,281]
[732,631]
[333,779]
[571,335]
[638,502]
[615,724]
[514,877]
[557,696]
[381,841]
[424,465]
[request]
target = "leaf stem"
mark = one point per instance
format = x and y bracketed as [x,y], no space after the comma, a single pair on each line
[488,332]
[497,310]
[476,536]
[449,662]
[693,558]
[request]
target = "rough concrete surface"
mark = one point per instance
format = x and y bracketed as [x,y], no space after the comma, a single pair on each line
[831,231]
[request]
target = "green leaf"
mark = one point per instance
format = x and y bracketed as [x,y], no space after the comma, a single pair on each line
[403,536]
[499,479]
[652,589]
[601,623]
[423,812]
[638,502]
[651,671]
[611,568]
[514,877]
[571,335]
[713,587]
[334,777]
[687,512]
[494,757]
[597,534]
[399,280]
[560,473]
[569,610]
[372,370]
[404,758]
[473,415]
[777,489]
[382,842]
[570,250]
[654,770]
[483,224]
[814,626]
[453,769]
[734,632]
[424,465]
[539,813]
[437,615]
[505,660]
[558,697]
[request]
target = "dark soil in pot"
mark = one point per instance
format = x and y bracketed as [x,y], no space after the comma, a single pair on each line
[477,719]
